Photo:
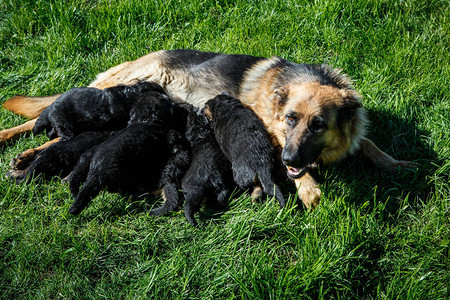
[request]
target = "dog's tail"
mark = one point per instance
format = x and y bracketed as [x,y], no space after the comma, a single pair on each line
[29,107]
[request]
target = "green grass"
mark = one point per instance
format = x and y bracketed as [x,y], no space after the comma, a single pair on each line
[375,235]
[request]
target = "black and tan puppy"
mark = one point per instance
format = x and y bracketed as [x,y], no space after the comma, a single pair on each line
[61,157]
[245,142]
[209,174]
[90,109]
[135,159]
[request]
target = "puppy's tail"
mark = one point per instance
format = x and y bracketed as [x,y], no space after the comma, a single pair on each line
[29,107]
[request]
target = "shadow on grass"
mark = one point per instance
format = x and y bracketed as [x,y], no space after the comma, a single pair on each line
[402,140]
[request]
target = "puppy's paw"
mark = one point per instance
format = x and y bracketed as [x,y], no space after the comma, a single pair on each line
[257,194]
[155,212]
[75,209]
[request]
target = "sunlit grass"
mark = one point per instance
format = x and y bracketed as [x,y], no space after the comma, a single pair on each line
[375,235]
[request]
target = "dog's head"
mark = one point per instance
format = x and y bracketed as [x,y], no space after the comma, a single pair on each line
[198,128]
[317,123]
[129,93]
[220,106]
[151,107]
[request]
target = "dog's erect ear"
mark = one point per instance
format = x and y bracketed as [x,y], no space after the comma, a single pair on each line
[351,104]
[349,108]
[281,94]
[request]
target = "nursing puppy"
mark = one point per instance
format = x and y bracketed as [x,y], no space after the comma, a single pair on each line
[134,159]
[245,142]
[86,108]
[61,157]
[209,174]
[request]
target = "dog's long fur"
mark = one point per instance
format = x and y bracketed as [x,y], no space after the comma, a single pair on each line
[312,111]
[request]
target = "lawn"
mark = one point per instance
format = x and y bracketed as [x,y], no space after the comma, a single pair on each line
[374,235]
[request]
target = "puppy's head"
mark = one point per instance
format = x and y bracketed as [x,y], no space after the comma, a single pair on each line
[180,115]
[220,106]
[151,107]
[145,86]
[198,127]
[129,93]
[318,124]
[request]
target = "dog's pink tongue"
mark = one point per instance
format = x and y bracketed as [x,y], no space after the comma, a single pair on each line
[294,171]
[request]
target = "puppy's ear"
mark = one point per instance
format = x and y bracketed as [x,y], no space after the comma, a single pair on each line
[206,111]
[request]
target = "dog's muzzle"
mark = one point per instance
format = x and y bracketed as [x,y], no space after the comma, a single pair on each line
[295,167]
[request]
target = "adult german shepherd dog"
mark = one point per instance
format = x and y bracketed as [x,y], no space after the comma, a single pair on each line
[312,112]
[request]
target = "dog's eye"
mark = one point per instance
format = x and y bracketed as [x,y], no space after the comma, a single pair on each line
[318,125]
[291,119]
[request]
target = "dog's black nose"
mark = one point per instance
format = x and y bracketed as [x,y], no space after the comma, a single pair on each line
[288,157]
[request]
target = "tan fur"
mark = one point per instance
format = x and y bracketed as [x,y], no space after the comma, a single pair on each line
[15,132]
[148,67]
[207,112]
[257,89]
[311,99]
[29,107]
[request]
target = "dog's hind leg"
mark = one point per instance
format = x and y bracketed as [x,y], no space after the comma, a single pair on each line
[272,189]
[16,132]
[90,190]
[382,159]
[79,173]
[171,200]
[22,160]
[193,200]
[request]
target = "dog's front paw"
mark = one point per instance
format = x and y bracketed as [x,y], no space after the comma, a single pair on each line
[310,195]
[308,191]
[398,165]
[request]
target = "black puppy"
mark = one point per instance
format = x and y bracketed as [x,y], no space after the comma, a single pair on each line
[245,142]
[90,109]
[139,158]
[61,157]
[209,174]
